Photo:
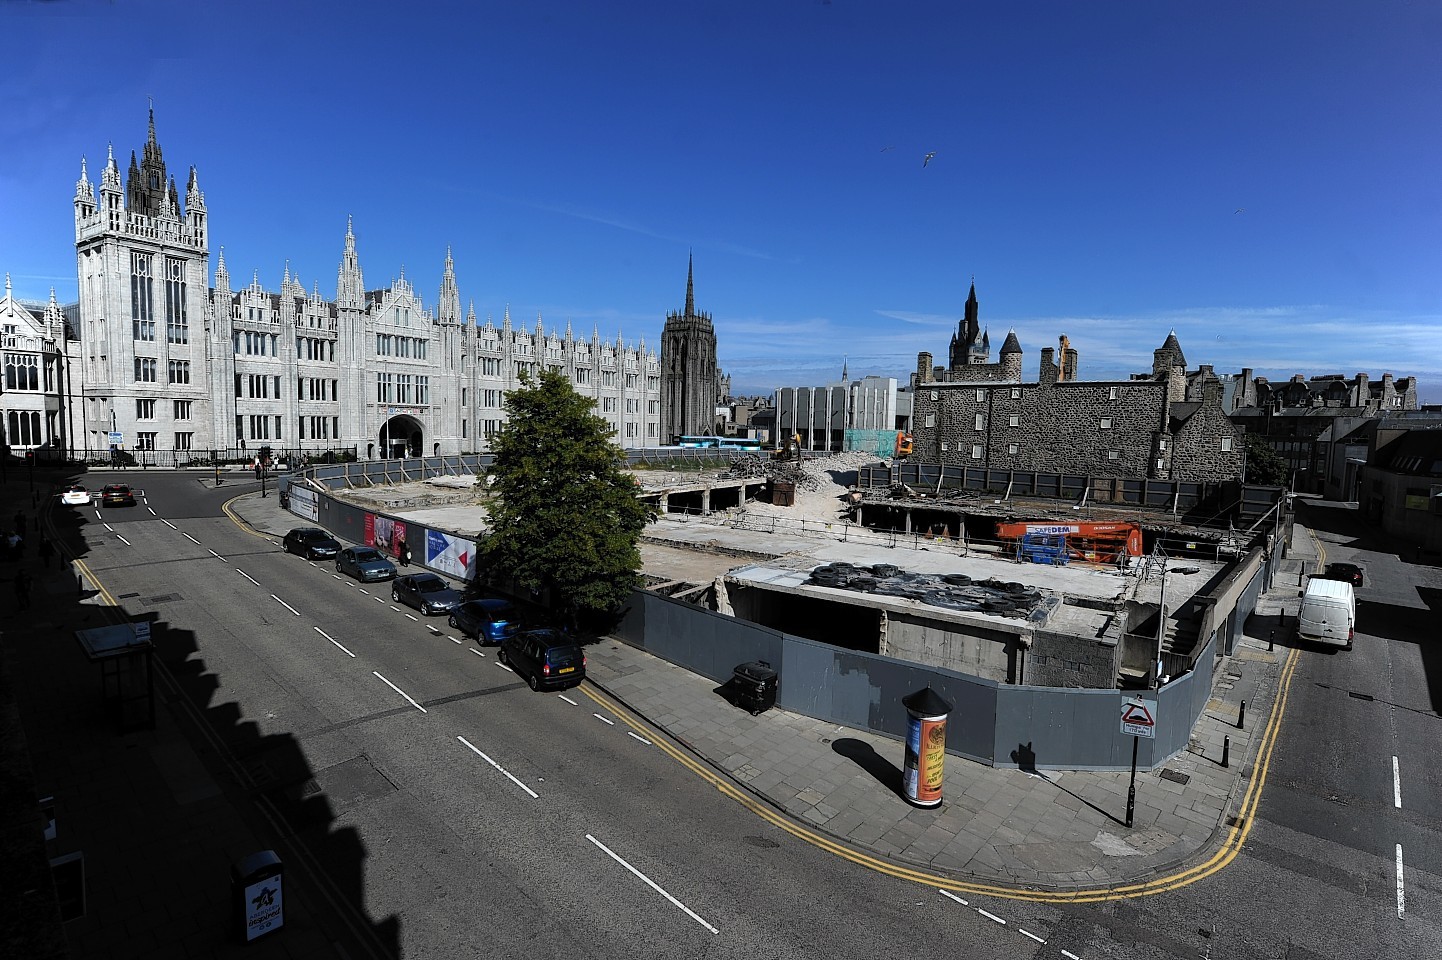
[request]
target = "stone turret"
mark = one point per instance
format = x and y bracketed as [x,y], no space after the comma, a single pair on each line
[1011,356]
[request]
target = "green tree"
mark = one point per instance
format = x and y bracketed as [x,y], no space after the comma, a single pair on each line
[1265,467]
[565,517]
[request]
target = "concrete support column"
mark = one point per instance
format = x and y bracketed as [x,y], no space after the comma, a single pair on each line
[907,527]
[706,502]
[665,504]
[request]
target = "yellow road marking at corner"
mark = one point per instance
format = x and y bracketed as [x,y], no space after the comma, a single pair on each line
[239,521]
[1225,854]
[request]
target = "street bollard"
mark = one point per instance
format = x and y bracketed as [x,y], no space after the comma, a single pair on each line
[1242,716]
[1271,640]
[1226,751]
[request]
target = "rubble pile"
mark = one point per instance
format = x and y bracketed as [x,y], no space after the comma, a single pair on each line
[749,466]
[954,591]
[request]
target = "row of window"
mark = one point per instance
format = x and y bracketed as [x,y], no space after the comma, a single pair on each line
[22,372]
[145,409]
[1113,393]
[146,441]
[978,450]
[393,345]
[142,299]
[489,428]
[178,371]
[398,388]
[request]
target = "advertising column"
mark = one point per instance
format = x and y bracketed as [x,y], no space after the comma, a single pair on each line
[925,747]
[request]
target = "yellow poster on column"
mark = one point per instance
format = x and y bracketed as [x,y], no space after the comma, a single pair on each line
[933,756]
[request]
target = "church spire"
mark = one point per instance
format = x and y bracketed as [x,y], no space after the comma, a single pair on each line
[690,285]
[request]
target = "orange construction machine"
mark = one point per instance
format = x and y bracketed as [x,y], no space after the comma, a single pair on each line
[1096,541]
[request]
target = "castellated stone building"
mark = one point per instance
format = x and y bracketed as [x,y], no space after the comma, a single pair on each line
[975,413]
[170,362]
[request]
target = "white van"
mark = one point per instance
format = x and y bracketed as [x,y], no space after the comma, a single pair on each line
[1329,613]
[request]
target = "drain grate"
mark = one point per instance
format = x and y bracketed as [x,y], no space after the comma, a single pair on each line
[163,598]
[1175,777]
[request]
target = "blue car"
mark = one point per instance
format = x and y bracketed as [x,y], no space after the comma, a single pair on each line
[490,620]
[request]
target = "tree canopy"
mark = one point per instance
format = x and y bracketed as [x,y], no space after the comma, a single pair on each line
[565,518]
[1265,467]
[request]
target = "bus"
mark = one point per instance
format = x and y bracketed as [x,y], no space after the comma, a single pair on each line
[739,444]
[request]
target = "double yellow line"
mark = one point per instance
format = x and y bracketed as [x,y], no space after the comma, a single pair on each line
[1231,846]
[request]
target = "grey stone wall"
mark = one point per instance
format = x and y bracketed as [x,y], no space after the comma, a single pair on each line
[1061,660]
[1197,452]
[1095,428]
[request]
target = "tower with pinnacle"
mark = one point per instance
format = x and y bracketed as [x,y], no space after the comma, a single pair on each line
[688,369]
[142,256]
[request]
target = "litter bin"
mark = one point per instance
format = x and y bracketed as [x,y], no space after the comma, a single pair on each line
[754,684]
[255,896]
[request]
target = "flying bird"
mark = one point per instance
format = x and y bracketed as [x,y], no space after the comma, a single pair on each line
[1241,210]
[927,159]
[884,149]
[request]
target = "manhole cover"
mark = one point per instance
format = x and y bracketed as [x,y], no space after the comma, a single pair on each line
[1176,777]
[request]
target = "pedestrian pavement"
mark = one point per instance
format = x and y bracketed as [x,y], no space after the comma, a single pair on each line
[161,816]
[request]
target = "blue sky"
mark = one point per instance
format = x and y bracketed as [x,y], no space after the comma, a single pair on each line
[1262,178]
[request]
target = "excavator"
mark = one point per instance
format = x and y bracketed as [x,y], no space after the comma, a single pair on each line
[788,449]
[1093,541]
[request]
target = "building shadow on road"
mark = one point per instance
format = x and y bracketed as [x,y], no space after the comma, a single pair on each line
[172,804]
[1410,625]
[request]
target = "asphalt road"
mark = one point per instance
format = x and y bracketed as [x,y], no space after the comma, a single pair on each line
[463,814]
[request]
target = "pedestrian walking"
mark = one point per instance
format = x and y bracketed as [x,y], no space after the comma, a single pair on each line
[403,552]
[46,552]
[22,589]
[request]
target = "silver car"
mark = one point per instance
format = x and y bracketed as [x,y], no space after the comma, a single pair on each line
[366,564]
[426,592]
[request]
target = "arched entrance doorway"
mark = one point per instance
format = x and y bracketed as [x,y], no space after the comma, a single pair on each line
[400,437]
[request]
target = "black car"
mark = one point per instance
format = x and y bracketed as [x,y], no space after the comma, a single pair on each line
[117,495]
[426,592]
[313,543]
[546,658]
[1346,572]
[365,563]
[490,620]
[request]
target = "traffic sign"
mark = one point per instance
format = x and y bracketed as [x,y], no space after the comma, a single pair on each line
[117,438]
[1139,718]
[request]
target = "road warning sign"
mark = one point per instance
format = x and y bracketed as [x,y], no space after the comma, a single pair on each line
[1139,718]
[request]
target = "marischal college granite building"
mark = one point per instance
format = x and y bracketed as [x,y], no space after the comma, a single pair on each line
[170,362]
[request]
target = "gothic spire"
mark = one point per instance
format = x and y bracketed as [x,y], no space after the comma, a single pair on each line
[690,286]
[350,282]
[222,279]
[83,189]
[448,310]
